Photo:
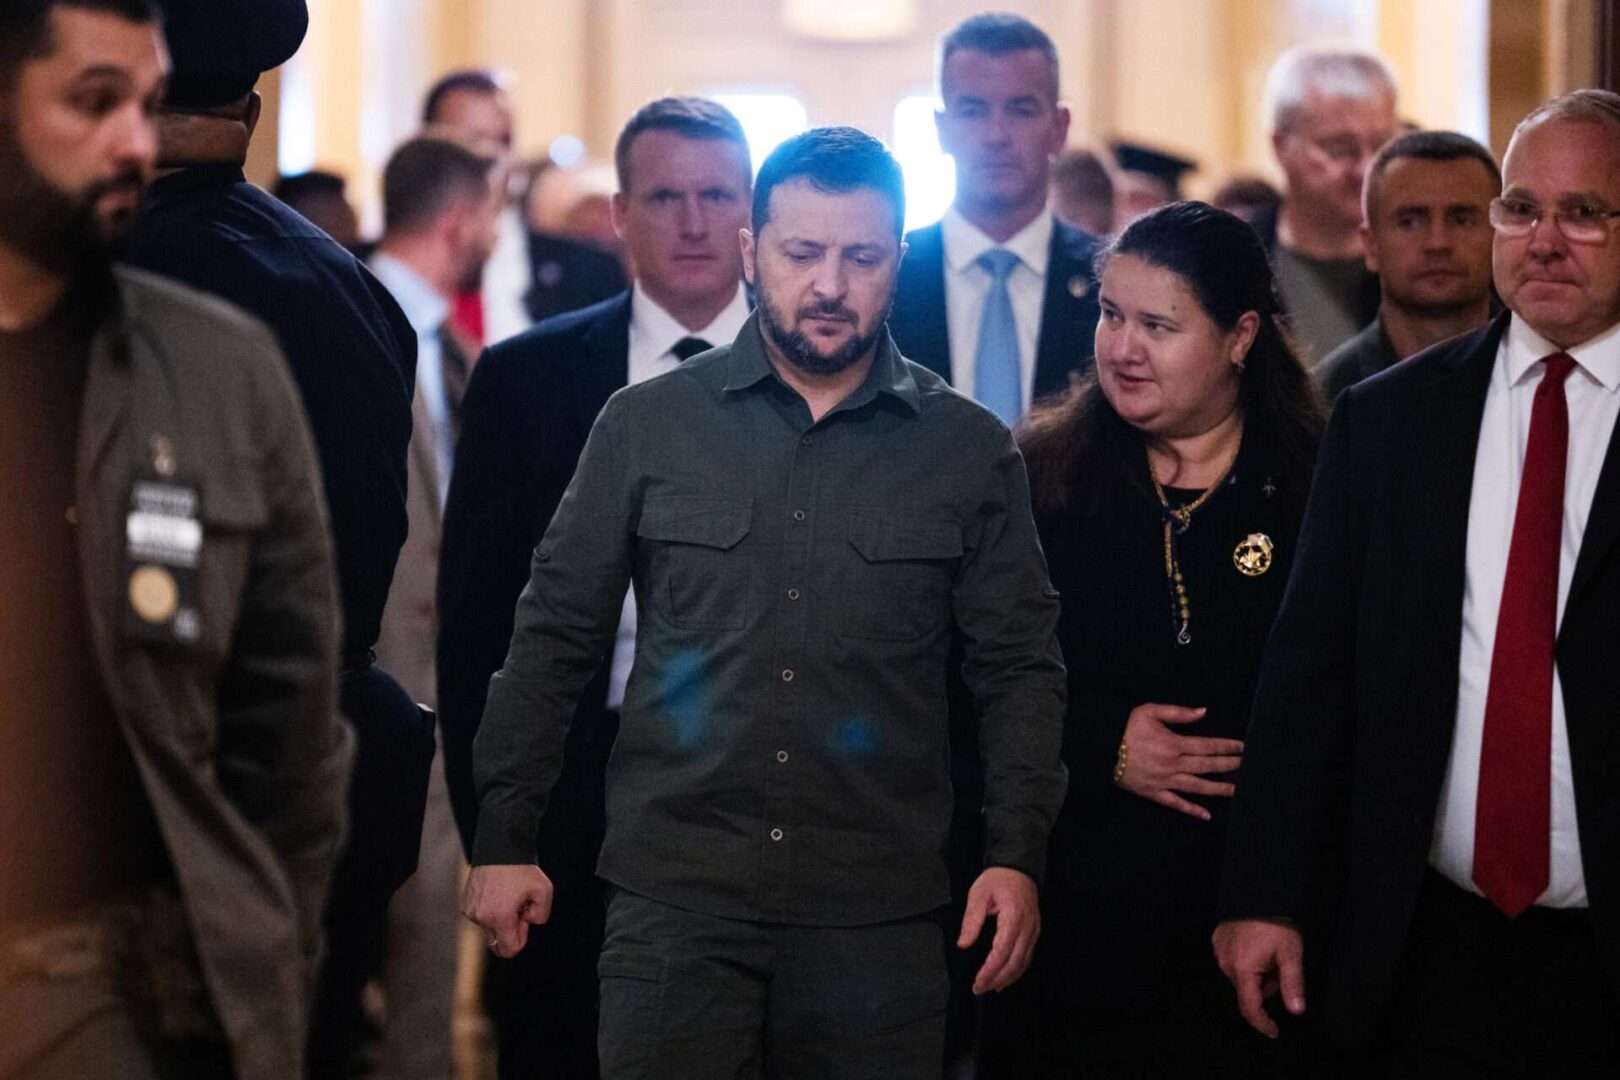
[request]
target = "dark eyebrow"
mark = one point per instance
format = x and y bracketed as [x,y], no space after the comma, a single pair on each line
[103,71]
[1589,198]
[1103,298]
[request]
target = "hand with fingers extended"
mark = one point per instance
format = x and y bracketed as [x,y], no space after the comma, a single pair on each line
[1262,957]
[1160,765]
[1011,896]
[506,901]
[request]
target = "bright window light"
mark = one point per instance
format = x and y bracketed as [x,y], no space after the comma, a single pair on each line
[930,174]
[767,119]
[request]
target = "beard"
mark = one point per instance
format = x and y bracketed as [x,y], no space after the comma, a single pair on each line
[59,231]
[796,345]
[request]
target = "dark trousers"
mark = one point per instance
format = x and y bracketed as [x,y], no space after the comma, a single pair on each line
[393,755]
[542,1002]
[1481,995]
[699,997]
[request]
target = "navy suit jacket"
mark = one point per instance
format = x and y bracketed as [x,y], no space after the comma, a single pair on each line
[1353,720]
[1068,311]
[529,408]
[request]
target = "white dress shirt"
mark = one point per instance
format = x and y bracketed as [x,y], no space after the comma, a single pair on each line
[967,284]
[654,333]
[506,279]
[1592,393]
[426,311]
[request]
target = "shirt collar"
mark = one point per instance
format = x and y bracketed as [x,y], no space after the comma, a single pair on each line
[425,309]
[965,241]
[1599,357]
[651,324]
[749,366]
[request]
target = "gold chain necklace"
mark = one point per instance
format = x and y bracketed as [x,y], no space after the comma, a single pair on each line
[1181,518]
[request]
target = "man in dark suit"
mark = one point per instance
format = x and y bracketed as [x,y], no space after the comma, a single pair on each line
[684,185]
[353,356]
[1427,807]
[531,275]
[997,297]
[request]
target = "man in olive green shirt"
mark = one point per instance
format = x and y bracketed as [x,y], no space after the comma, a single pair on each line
[807,518]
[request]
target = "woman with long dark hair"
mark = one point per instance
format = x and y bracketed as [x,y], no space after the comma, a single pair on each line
[1169,486]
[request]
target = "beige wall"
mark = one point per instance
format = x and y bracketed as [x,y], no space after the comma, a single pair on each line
[1184,74]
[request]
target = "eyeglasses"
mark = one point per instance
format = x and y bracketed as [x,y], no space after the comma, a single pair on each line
[1344,150]
[1581,223]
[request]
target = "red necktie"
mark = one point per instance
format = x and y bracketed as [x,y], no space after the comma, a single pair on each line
[468,315]
[1512,821]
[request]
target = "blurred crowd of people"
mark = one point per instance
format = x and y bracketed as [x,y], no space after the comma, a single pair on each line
[1039,644]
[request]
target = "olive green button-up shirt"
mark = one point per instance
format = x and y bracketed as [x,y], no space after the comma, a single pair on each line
[783,751]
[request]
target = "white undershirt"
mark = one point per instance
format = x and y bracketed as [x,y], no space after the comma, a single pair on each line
[967,284]
[654,333]
[1592,392]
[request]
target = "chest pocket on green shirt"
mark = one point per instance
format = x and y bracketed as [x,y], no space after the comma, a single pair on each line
[899,581]
[694,578]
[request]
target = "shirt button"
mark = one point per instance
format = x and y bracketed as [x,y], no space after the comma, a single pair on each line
[776,834]
[798,515]
[781,755]
[805,441]
[793,594]
[787,676]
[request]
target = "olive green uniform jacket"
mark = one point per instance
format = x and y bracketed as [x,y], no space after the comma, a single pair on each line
[236,733]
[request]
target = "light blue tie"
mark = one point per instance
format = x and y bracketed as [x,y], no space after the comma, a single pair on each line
[996,378]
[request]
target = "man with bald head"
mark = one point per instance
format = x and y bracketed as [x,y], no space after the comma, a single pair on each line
[1427,808]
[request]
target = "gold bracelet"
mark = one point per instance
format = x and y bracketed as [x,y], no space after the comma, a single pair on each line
[1120,762]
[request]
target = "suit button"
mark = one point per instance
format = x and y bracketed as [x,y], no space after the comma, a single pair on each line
[787,676]
[793,594]
[776,834]
[782,756]
[798,515]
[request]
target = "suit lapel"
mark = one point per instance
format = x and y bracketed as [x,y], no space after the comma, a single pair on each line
[605,366]
[1068,312]
[1602,524]
[925,335]
[1444,426]
[424,462]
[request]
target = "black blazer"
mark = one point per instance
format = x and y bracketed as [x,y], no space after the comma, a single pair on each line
[1068,312]
[566,275]
[1353,719]
[529,407]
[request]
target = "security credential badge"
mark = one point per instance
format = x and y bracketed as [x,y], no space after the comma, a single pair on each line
[163,544]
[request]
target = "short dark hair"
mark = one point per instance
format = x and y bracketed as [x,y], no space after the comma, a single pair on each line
[25,27]
[1424,146]
[833,160]
[470,80]
[426,175]
[996,33]
[314,184]
[688,117]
